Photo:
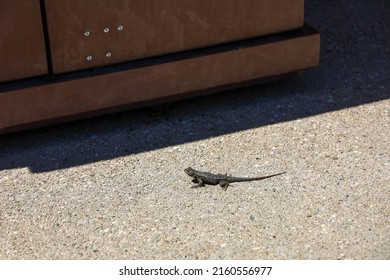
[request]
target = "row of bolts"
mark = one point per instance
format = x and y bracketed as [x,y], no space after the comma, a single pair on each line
[105,30]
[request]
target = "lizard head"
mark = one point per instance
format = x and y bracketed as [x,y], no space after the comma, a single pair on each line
[189,171]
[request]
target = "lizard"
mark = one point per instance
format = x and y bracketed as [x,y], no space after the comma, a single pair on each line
[203,178]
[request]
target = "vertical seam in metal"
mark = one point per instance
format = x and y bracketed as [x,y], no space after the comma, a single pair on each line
[46,37]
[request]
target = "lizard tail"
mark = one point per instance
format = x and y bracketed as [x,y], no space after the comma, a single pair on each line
[269,176]
[258,178]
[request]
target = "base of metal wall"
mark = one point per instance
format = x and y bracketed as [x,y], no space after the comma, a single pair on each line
[58,98]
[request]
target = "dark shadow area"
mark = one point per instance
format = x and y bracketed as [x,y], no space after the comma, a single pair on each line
[354,70]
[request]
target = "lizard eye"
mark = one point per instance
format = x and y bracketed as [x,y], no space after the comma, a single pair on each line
[187,170]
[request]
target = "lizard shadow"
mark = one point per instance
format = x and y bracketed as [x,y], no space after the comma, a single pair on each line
[353,71]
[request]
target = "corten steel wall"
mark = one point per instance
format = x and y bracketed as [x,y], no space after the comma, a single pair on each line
[172,79]
[166,50]
[22,46]
[112,31]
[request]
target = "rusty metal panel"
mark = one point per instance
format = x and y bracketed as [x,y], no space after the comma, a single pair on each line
[22,47]
[169,78]
[90,33]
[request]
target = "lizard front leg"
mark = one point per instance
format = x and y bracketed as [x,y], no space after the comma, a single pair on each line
[199,183]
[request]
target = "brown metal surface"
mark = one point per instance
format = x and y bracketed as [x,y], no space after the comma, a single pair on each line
[22,49]
[175,79]
[155,27]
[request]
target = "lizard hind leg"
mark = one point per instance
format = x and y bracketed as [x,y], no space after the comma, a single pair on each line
[224,184]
